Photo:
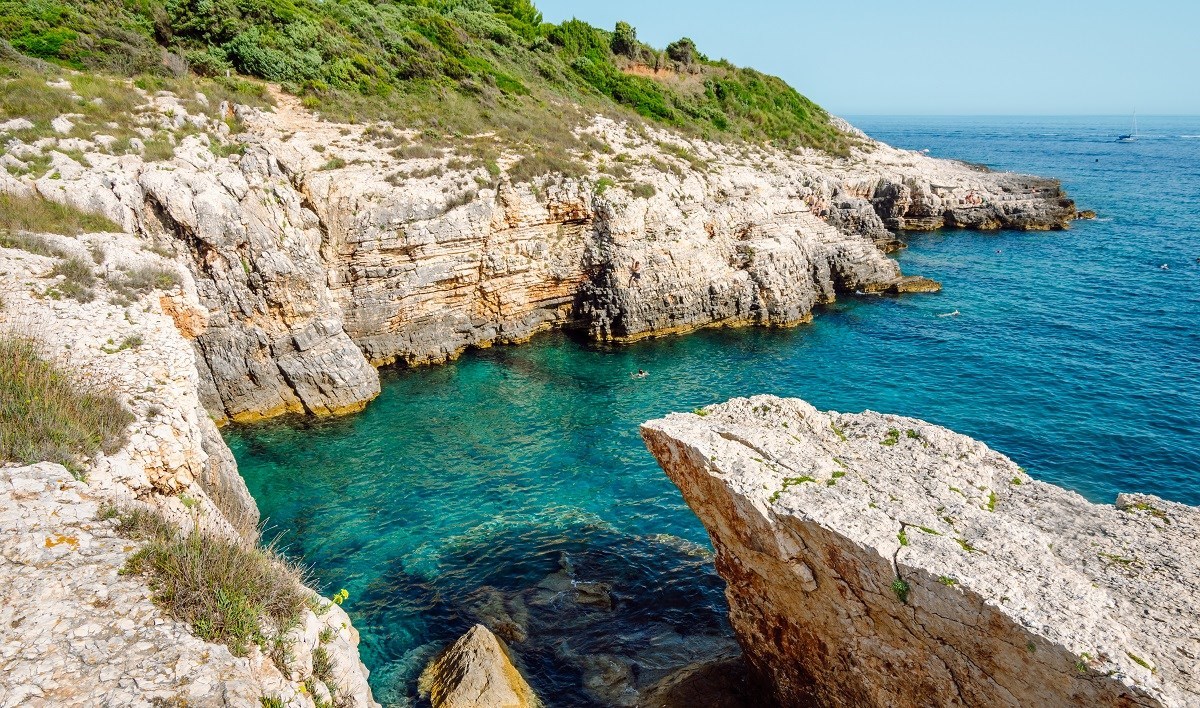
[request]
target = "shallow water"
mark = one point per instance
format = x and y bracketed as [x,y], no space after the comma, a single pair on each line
[512,485]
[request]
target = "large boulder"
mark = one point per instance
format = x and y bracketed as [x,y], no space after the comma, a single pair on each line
[476,672]
[875,560]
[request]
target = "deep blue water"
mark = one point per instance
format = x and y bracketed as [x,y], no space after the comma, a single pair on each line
[485,488]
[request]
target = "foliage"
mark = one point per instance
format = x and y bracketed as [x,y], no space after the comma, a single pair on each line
[49,413]
[77,279]
[454,66]
[37,215]
[684,51]
[624,40]
[228,591]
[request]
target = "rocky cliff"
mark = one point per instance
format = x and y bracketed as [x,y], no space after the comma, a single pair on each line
[78,629]
[875,560]
[317,250]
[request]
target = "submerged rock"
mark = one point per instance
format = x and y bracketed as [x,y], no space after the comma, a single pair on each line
[875,560]
[474,672]
[906,284]
[721,683]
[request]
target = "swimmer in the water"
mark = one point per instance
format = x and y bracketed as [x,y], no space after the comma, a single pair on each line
[1164,266]
[641,374]
[949,314]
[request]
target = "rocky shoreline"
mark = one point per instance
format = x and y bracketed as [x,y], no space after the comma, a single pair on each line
[318,251]
[304,254]
[875,560]
[79,630]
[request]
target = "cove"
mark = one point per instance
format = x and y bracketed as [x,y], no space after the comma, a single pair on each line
[512,487]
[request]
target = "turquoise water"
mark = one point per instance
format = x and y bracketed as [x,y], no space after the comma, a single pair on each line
[484,488]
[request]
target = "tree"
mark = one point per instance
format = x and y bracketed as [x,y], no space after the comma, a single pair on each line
[683,51]
[624,40]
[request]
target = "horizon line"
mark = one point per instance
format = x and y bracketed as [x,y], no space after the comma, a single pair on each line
[1013,115]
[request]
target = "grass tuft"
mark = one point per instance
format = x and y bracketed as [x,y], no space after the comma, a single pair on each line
[228,591]
[31,243]
[38,215]
[48,413]
[77,279]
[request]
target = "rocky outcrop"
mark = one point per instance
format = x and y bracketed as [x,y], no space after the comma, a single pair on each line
[317,250]
[76,630]
[476,671]
[875,560]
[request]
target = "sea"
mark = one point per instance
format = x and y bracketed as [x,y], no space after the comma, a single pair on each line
[511,486]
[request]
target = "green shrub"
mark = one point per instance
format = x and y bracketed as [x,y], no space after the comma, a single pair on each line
[455,67]
[230,592]
[132,284]
[31,243]
[77,281]
[49,413]
[641,190]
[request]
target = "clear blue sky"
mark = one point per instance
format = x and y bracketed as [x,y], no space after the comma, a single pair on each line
[1032,57]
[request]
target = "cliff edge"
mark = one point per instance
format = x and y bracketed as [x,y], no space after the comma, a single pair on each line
[80,625]
[318,250]
[876,560]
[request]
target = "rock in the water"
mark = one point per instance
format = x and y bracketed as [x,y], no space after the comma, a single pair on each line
[875,560]
[721,683]
[476,672]
[906,284]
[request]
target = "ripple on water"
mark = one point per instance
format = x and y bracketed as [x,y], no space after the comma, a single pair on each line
[512,487]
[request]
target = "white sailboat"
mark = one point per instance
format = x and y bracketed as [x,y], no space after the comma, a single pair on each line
[1131,135]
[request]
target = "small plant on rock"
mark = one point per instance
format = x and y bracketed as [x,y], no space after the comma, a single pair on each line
[50,413]
[229,591]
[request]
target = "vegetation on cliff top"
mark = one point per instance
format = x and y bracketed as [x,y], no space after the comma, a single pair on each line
[49,413]
[451,66]
[230,592]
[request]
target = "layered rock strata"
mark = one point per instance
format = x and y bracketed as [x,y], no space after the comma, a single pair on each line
[318,250]
[876,560]
[74,631]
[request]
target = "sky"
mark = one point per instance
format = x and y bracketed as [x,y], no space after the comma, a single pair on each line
[936,57]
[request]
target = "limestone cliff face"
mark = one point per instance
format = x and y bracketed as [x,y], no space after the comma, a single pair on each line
[77,632]
[318,250]
[874,560]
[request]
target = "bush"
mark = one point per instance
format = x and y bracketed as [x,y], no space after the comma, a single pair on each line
[31,243]
[463,67]
[683,51]
[230,592]
[49,413]
[624,40]
[77,280]
[134,283]
[641,190]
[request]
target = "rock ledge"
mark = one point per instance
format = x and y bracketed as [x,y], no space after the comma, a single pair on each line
[878,560]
